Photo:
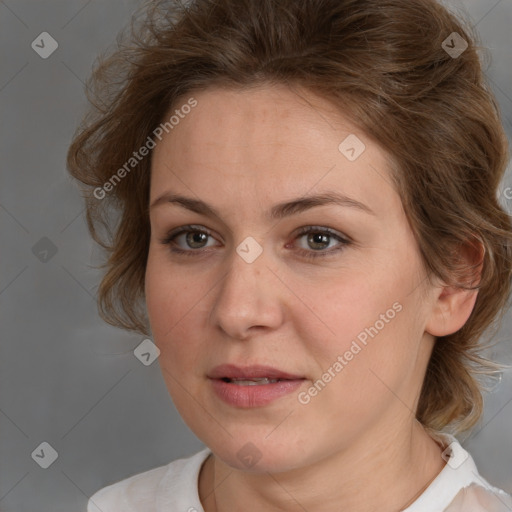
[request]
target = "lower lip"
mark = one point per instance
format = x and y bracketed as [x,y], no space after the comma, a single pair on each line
[253,395]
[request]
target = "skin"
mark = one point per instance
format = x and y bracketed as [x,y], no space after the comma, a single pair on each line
[356,446]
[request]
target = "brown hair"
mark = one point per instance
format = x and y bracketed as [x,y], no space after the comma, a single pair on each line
[385,64]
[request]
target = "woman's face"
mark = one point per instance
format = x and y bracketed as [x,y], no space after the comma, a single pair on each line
[248,291]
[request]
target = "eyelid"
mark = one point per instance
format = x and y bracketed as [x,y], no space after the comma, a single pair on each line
[323,229]
[183,229]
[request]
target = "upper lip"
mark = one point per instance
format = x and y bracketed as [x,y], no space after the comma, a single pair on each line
[232,371]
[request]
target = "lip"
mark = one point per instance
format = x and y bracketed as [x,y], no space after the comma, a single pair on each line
[257,395]
[232,371]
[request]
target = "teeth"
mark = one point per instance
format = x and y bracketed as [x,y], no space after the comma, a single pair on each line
[253,382]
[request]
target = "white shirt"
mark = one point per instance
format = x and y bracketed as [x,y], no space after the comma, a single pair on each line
[174,488]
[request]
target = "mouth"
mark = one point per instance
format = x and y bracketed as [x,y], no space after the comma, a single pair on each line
[253,382]
[251,375]
[252,386]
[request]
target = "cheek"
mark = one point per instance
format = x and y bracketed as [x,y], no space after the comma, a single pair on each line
[165,299]
[345,308]
[177,306]
[166,291]
[368,321]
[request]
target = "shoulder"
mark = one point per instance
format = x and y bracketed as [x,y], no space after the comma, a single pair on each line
[153,490]
[459,487]
[481,498]
[130,494]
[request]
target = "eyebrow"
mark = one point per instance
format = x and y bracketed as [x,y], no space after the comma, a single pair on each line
[278,211]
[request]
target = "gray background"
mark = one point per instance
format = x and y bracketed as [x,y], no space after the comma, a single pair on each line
[66,377]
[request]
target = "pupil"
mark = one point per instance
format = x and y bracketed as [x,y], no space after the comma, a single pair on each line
[319,238]
[192,237]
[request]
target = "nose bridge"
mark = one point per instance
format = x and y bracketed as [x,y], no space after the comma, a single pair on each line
[246,296]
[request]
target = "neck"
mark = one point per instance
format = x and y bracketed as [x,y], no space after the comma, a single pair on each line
[378,473]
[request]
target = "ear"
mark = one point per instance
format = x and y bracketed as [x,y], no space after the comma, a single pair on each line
[453,306]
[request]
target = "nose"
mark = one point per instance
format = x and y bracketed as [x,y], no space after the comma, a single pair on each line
[249,298]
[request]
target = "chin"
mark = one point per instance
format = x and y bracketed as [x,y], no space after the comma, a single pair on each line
[255,454]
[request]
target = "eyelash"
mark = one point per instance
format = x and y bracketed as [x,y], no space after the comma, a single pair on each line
[169,240]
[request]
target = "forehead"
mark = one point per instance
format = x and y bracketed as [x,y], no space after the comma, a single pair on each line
[267,143]
[267,115]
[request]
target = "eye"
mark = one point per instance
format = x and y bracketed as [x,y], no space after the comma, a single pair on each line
[317,238]
[194,236]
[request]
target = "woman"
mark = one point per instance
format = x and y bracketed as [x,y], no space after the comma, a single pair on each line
[302,196]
